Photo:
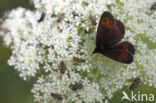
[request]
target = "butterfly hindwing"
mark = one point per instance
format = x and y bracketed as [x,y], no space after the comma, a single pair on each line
[124,46]
[122,52]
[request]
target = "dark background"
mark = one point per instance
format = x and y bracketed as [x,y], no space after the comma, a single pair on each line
[14,90]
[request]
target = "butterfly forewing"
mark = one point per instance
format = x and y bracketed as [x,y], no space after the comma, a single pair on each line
[127,46]
[122,52]
[116,34]
[105,26]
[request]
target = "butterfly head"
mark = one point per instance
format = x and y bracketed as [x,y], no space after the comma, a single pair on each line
[97,50]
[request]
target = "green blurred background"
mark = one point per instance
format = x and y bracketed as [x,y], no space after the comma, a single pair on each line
[14,90]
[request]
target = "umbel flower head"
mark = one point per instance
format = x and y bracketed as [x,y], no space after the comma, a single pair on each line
[56,40]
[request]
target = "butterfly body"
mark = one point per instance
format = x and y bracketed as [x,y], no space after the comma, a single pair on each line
[102,48]
[110,32]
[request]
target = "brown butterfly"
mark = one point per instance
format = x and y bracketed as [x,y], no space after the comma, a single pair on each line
[79,60]
[135,83]
[76,86]
[56,96]
[42,17]
[110,31]
[62,67]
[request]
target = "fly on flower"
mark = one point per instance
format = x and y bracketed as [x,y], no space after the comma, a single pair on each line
[153,7]
[76,86]
[60,18]
[62,67]
[57,96]
[110,31]
[78,60]
[42,17]
[135,83]
[4,30]
[93,19]
[5,16]
[11,45]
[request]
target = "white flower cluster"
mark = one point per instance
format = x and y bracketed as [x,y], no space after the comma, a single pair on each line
[44,42]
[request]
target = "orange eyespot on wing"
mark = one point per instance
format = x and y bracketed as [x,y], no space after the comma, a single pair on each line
[106,22]
[123,56]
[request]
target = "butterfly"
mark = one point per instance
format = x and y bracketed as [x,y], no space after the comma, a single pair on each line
[110,31]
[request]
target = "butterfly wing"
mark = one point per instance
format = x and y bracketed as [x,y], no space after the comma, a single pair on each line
[110,31]
[122,52]
[104,27]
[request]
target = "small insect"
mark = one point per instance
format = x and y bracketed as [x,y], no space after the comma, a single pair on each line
[135,83]
[5,15]
[110,31]
[76,86]
[93,19]
[60,17]
[11,45]
[4,30]
[153,7]
[62,67]
[79,60]
[57,96]
[42,17]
